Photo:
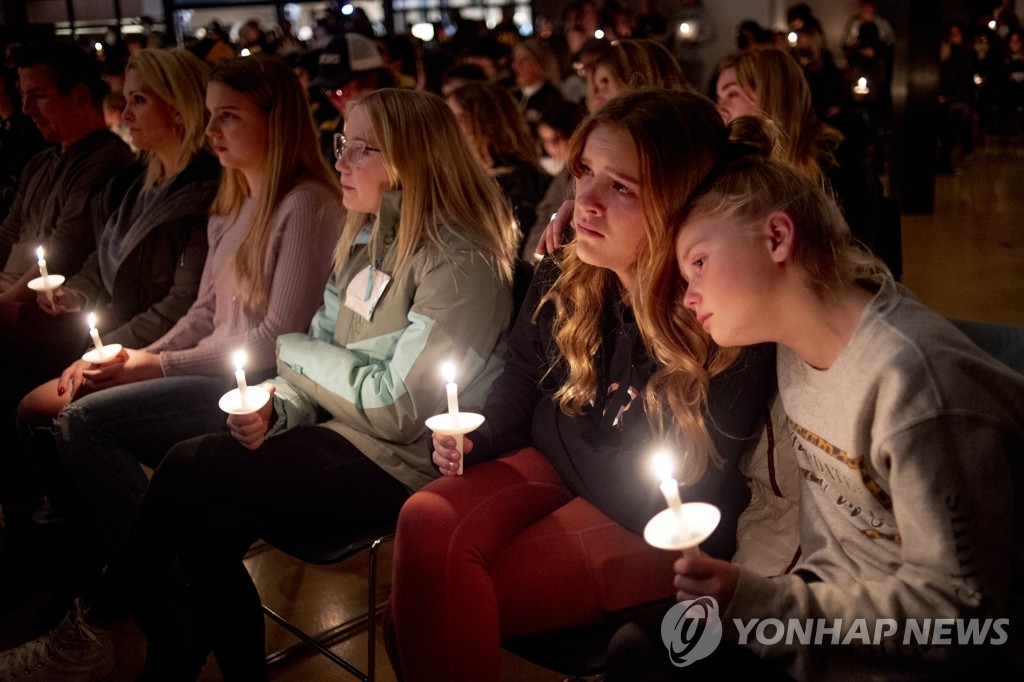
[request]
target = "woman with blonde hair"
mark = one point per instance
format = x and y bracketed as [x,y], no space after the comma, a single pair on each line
[150,252]
[630,64]
[273,226]
[547,536]
[422,275]
[500,138]
[770,83]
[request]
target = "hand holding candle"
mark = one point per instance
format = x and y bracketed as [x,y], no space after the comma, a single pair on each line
[101,353]
[454,423]
[244,399]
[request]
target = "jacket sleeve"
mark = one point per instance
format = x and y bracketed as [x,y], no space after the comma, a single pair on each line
[379,385]
[515,393]
[163,314]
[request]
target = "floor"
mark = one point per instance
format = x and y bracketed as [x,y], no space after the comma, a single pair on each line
[966,260]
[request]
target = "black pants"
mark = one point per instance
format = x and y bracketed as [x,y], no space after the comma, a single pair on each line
[208,502]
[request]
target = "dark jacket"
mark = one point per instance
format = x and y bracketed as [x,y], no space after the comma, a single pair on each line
[158,279]
[604,455]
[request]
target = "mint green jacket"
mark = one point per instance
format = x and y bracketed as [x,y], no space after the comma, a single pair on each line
[381,379]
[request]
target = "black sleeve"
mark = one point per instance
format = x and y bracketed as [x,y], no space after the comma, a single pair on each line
[515,393]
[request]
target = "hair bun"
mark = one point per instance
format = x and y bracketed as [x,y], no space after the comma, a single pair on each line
[753,137]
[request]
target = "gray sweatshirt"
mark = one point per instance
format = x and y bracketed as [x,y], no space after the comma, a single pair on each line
[910,449]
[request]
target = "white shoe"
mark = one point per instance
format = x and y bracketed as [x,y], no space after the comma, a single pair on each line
[71,652]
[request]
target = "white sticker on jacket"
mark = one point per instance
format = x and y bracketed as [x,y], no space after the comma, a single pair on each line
[365,290]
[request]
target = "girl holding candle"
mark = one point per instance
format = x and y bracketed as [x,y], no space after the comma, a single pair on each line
[422,274]
[275,218]
[145,272]
[550,537]
[928,519]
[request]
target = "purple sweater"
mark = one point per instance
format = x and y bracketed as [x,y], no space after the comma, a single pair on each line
[300,257]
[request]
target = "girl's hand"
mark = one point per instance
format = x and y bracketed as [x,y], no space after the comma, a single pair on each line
[551,240]
[702,575]
[251,429]
[65,300]
[445,456]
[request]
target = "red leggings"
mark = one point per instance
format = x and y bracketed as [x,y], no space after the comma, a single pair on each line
[503,551]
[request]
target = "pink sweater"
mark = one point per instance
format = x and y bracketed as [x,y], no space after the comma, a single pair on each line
[300,256]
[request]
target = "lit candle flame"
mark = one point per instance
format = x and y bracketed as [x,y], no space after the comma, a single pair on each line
[448,369]
[92,320]
[39,252]
[663,465]
[239,359]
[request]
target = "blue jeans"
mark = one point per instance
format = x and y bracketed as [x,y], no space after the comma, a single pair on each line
[102,438]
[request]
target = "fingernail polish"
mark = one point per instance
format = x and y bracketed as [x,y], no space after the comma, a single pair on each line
[60,390]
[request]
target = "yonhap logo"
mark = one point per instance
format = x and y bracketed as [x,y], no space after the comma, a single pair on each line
[691,630]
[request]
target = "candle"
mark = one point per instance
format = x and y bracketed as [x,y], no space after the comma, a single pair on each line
[792,38]
[42,264]
[669,486]
[453,392]
[861,88]
[239,358]
[685,29]
[94,333]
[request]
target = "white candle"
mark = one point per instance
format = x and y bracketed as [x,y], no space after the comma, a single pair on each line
[453,392]
[239,358]
[42,264]
[669,487]
[685,29]
[861,88]
[94,333]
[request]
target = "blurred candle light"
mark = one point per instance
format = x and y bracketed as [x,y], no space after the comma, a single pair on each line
[669,486]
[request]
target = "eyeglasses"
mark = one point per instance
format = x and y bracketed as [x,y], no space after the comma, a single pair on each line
[356,151]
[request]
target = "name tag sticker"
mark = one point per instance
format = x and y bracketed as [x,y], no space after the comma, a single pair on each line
[365,290]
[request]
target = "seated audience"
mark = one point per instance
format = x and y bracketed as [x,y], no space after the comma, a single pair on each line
[423,221]
[19,138]
[770,83]
[276,214]
[500,139]
[145,272]
[62,92]
[542,530]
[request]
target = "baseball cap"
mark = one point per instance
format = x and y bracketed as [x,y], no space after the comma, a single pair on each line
[343,57]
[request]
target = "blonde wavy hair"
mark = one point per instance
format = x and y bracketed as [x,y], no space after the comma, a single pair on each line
[292,155]
[637,64]
[678,135]
[178,78]
[775,81]
[443,184]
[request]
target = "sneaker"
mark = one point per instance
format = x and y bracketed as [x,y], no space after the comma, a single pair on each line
[71,652]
